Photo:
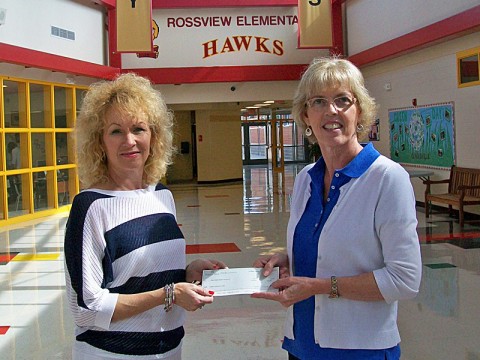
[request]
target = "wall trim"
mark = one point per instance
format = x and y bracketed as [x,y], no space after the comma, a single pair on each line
[193,75]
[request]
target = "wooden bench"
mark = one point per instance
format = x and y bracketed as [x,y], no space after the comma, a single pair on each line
[463,189]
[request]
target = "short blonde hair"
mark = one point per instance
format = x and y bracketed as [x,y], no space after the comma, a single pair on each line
[323,73]
[133,95]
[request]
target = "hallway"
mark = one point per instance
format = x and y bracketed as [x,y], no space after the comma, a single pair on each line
[236,223]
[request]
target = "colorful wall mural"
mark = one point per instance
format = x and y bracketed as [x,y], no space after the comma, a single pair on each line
[423,135]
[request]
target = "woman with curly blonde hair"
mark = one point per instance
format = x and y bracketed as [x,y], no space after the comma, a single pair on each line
[133,95]
[127,282]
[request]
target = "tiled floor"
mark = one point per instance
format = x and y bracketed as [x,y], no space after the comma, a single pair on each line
[236,223]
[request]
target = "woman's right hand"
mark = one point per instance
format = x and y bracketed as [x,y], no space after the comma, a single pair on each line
[268,262]
[192,297]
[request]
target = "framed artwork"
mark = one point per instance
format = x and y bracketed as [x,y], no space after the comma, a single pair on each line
[374,134]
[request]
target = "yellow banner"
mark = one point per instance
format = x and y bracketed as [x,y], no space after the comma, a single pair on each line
[315,24]
[134,26]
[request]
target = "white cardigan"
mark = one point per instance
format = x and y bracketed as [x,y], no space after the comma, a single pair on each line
[371,228]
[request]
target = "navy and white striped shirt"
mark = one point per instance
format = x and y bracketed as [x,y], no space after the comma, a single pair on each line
[124,242]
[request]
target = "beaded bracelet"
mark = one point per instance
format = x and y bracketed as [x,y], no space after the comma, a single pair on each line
[169,296]
[333,288]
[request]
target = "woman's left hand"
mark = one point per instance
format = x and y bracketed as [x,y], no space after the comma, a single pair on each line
[196,267]
[290,290]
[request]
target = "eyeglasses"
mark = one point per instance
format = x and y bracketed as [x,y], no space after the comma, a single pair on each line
[340,103]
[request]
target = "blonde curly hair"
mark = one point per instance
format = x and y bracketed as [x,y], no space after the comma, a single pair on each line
[131,94]
[327,72]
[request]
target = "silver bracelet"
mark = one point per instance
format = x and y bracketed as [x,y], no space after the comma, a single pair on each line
[169,296]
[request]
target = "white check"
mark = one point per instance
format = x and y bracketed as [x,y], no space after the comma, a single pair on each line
[238,281]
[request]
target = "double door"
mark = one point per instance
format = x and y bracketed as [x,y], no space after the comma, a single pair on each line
[260,145]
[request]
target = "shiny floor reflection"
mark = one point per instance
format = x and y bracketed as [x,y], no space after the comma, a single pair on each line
[237,223]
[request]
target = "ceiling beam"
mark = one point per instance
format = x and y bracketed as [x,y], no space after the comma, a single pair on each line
[108,4]
[455,26]
[165,4]
[41,60]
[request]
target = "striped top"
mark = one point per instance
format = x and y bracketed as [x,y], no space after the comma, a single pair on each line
[124,242]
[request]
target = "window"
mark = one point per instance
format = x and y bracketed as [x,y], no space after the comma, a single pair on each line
[468,67]
[37,168]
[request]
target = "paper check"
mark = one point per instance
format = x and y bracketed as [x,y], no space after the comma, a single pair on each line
[238,281]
